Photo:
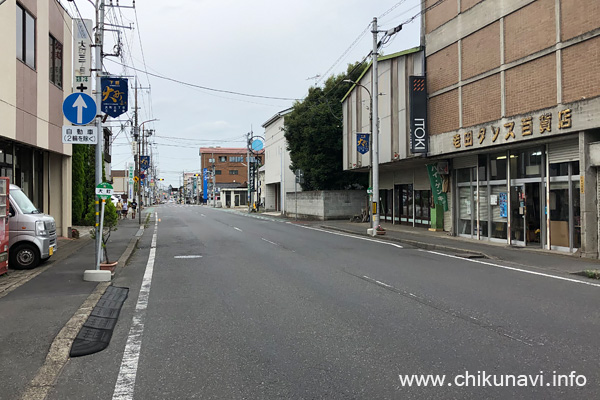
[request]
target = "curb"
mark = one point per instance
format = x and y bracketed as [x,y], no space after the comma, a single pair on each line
[126,256]
[46,376]
[420,245]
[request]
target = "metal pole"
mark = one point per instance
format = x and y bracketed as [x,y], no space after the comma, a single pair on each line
[375,129]
[296,194]
[99,247]
[248,167]
[98,174]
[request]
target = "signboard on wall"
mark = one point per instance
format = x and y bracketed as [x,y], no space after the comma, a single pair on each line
[419,137]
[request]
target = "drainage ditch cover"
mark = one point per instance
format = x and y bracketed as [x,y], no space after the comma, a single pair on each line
[97,331]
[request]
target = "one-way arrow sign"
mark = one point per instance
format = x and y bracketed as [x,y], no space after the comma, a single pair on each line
[79,108]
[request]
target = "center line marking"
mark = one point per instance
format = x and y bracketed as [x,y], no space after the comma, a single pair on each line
[268,241]
[191,256]
[237,229]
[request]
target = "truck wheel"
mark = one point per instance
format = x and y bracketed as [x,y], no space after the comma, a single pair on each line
[24,256]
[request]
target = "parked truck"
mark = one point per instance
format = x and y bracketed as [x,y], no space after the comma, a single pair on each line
[32,234]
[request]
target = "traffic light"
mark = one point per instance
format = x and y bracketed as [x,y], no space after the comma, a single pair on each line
[161,179]
[196,174]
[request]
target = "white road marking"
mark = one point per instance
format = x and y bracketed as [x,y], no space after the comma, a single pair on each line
[268,241]
[237,229]
[350,236]
[127,374]
[515,269]
[202,215]
[191,256]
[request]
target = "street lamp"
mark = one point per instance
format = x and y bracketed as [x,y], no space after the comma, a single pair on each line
[371,178]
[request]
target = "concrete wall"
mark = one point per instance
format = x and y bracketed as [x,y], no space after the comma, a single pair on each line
[324,205]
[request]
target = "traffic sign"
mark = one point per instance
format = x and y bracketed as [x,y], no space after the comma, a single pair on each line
[80,134]
[79,108]
[104,190]
[257,145]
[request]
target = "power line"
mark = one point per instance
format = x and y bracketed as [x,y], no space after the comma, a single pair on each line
[208,88]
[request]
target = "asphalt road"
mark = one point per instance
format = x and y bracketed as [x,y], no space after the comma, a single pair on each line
[244,307]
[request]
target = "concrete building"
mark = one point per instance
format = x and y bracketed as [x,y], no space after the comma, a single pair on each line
[279,179]
[514,107]
[405,191]
[35,78]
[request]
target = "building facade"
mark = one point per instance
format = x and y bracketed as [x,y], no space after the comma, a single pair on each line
[404,186]
[229,168]
[514,107]
[279,179]
[35,77]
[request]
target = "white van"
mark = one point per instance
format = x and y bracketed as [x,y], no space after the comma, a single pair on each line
[32,234]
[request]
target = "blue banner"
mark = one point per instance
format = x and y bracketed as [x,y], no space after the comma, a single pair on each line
[114,96]
[362,142]
[205,184]
[144,162]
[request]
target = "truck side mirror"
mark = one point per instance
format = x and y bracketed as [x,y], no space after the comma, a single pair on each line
[11,212]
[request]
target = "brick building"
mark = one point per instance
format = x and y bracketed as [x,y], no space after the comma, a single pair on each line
[230,166]
[514,106]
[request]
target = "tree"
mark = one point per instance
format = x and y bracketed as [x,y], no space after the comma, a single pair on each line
[314,133]
[109,225]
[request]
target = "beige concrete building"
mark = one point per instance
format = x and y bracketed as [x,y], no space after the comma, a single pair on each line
[35,77]
[514,106]
[404,186]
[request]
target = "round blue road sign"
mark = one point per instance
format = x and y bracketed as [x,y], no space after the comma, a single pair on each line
[79,108]
[257,145]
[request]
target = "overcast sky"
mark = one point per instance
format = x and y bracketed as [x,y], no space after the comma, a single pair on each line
[271,48]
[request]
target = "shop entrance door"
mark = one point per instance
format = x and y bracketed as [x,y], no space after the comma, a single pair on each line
[526,215]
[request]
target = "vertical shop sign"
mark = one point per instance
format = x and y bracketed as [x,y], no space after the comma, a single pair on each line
[503,205]
[439,196]
[419,138]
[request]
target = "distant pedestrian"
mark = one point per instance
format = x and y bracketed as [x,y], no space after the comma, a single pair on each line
[133,207]
[119,208]
[124,210]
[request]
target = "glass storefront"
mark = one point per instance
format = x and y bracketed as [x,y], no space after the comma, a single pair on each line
[492,207]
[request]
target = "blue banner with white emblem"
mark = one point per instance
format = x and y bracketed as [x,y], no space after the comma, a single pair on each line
[362,142]
[114,96]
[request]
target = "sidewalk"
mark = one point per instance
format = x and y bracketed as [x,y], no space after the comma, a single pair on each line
[422,238]
[35,305]
[441,241]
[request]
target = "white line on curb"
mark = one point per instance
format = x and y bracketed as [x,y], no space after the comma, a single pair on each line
[515,269]
[350,236]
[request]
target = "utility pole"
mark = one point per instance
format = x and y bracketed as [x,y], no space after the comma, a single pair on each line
[99,38]
[248,167]
[375,130]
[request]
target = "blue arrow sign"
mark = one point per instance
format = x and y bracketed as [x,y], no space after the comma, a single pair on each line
[79,108]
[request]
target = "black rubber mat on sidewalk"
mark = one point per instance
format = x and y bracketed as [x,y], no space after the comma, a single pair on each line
[97,331]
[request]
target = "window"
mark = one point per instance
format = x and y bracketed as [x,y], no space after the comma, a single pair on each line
[222,158]
[233,172]
[56,54]
[236,159]
[25,37]
[217,172]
